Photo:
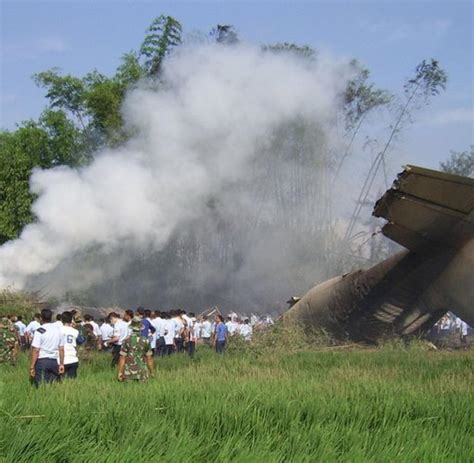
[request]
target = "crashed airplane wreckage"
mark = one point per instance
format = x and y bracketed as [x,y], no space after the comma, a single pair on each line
[432,215]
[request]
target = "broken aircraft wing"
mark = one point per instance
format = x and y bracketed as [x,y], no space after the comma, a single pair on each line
[426,208]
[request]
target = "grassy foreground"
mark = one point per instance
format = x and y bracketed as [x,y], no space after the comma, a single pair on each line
[381,405]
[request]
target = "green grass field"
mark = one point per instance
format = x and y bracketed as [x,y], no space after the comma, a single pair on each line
[384,405]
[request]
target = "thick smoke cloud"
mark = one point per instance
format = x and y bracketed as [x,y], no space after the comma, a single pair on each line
[225,161]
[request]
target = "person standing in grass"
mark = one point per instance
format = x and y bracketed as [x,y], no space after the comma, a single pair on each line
[88,318]
[231,326]
[158,322]
[8,342]
[169,334]
[47,349]
[220,334]
[120,333]
[246,330]
[21,328]
[90,343]
[179,325]
[106,332]
[136,356]
[147,330]
[70,335]
[194,330]
[32,327]
[206,331]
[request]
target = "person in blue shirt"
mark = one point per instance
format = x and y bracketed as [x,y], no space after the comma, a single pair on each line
[147,329]
[220,334]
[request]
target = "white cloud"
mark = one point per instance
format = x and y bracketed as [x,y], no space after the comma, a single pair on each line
[394,31]
[50,45]
[450,116]
[8,98]
[400,32]
[31,49]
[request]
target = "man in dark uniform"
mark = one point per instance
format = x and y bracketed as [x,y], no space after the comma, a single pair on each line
[47,348]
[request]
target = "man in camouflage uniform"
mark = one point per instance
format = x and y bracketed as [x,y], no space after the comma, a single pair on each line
[90,341]
[8,342]
[136,356]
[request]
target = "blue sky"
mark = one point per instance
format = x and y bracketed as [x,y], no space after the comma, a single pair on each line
[389,37]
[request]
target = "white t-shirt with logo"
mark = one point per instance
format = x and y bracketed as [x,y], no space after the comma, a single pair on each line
[70,335]
[48,339]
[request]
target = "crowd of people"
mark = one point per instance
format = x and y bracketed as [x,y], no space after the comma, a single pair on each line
[132,339]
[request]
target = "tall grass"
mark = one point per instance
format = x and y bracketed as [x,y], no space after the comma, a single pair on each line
[380,405]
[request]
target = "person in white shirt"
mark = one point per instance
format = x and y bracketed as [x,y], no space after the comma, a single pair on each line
[127,318]
[197,327]
[206,331]
[463,329]
[159,335]
[58,321]
[269,320]
[445,323]
[189,319]
[21,329]
[246,330]
[121,332]
[170,327]
[106,333]
[179,325]
[231,326]
[194,331]
[47,356]
[31,328]
[70,335]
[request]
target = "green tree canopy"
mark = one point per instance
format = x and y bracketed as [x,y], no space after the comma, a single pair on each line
[163,35]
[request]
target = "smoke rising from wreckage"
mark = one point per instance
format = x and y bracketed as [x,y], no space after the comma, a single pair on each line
[432,215]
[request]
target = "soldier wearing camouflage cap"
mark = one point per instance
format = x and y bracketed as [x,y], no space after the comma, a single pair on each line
[136,356]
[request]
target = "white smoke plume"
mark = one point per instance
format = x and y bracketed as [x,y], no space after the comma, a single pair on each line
[197,135]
